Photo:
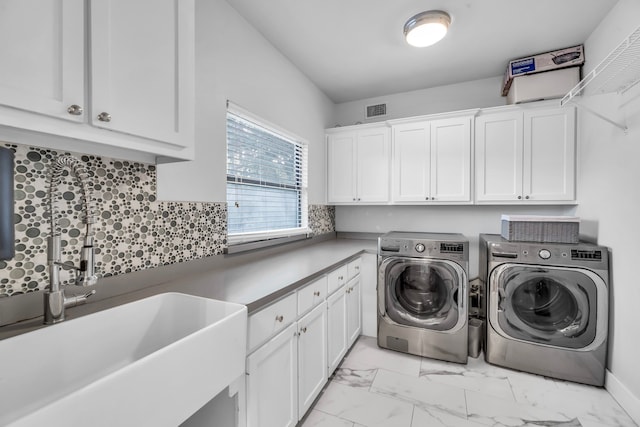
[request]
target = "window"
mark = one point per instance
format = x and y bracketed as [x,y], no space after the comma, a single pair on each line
[266,180]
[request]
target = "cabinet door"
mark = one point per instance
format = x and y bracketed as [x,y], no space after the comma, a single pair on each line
[499,146]
[411,160]
[312,356]
[341,175]
[549,154]
[451,160]
[272,382]
[354,313]
[372,165]
[42,52]
[336,329]
[142,68]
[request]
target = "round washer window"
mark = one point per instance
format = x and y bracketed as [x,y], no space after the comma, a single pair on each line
[422,290]
[544,304]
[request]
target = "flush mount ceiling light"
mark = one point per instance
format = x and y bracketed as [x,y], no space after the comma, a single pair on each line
[426,28]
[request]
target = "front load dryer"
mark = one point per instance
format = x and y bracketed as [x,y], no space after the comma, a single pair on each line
[547,308]
[423,294]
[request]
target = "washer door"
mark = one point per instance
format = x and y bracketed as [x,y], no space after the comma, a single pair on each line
[424,293]
[560,307]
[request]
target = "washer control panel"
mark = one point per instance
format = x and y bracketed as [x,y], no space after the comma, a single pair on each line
[423,248]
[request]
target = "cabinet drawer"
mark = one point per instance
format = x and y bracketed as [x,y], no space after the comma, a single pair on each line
[353,268]
[270,320]
[312,295]
[336,279]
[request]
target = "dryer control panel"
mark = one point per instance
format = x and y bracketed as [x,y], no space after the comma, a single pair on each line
[579,254]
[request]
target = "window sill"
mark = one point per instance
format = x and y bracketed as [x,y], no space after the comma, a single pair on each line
[249,246]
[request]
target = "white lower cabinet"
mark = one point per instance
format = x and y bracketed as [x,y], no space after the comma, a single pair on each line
[272,382]
[286,373]
[336,328]
[312,357]
[354,311]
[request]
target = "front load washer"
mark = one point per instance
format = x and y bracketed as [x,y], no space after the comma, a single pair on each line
[422,294]
[547,308]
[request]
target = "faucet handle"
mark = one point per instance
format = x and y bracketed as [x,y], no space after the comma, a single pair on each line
[74,300]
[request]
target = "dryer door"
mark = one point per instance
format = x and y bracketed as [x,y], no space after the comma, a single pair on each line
[560,307]
[424,293]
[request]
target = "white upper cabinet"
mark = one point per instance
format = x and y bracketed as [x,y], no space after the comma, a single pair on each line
[411,162]
[499,147]
[358,166]
[141,56]
[43,57]
[526,156]
[341,174]
[138,100]
[549,154]
[432,161]
[519,154]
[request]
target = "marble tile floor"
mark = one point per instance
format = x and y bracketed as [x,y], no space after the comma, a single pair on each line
[374,387]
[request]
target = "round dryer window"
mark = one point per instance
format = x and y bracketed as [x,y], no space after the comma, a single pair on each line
[545,305]
[422,293]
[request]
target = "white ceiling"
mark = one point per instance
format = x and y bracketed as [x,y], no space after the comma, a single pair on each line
[354,49]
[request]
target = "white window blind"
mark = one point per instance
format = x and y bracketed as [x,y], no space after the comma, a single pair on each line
[266,181]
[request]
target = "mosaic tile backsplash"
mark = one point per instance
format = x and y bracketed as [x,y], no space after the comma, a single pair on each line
[134,231]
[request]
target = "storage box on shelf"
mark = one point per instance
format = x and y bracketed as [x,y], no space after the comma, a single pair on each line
[541,86]
[542,62]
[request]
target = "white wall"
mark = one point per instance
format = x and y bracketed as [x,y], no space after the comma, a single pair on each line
[608,178]
[461,96]
[234,62]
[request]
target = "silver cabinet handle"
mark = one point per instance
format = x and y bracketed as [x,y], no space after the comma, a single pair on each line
[75,110]
[304,330]
[104,117]
[519,197]
[280,318]
[527,197]
[316,293]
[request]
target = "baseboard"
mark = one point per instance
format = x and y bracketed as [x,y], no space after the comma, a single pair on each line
[623,396]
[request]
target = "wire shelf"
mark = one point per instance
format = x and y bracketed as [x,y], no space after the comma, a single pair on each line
[618,72]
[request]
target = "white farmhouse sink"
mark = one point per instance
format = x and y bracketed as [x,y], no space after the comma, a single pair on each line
[152,362]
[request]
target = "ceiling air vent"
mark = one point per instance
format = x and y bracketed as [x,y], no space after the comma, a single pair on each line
[378,110]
